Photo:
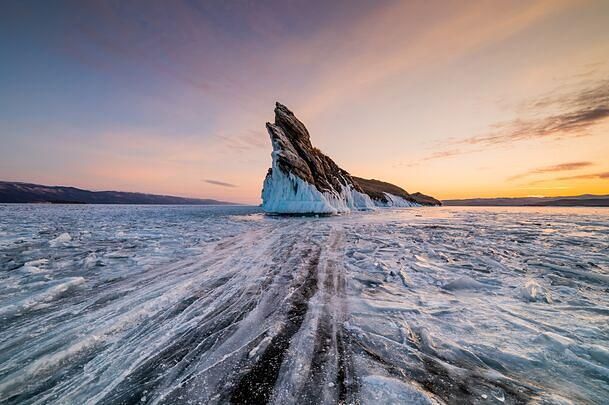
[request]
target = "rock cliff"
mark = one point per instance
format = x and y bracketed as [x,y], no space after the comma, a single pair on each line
[302,180]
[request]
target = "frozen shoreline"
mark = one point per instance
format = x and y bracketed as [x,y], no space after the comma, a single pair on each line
[425,305]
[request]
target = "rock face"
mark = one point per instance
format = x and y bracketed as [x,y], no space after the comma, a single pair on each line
[303,180]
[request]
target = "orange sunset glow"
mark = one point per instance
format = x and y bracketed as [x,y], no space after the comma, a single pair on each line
[457,99]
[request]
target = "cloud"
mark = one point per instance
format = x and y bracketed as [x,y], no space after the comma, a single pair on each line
[581,98]
[603,175]
[220,183]
[554,116]
[572,114]
[551,169]
[249,140]
[567,124]
[587,176]
[443,154]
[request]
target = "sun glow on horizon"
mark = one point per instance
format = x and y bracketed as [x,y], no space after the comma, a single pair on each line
[492,99]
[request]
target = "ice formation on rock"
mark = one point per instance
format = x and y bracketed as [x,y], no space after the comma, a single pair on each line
[302,180]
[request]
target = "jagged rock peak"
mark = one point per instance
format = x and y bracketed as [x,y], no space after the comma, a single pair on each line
[304,180]
[294,153]
[286,120]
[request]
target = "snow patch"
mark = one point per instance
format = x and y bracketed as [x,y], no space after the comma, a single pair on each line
[463,283]
[532,291]
[61,239]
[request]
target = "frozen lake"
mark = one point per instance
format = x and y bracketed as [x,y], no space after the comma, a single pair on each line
[175,304]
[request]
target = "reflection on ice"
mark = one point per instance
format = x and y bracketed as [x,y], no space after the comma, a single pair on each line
[121,304]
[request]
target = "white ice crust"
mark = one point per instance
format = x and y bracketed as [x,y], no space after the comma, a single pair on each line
[288,194]
[285,193]
[396,201]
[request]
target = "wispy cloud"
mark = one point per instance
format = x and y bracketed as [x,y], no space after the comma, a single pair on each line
[567,124]
[553,116]
[603,175]
[247,141]
[581,98]
[571,115]
[562,167]
[587,176]
[443,154]
[220,183]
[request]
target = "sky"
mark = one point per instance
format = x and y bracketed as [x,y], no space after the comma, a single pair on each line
[455,99]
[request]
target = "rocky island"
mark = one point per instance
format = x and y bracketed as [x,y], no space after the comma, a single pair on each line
[303,180]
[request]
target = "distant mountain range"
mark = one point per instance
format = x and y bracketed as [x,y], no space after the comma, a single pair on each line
[15,192]
[584,200]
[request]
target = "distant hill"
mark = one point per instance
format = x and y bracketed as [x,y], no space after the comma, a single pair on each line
[15,192]
[584,200]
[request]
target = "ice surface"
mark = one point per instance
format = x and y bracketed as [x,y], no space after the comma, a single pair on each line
[385,390]
[217,304]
